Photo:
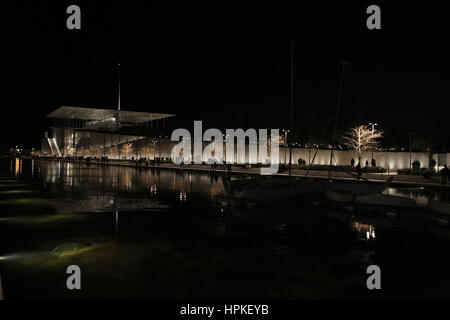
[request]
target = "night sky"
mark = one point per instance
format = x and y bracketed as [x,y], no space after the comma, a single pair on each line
[229,65]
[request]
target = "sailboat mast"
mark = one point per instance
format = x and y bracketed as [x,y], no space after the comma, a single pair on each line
[291,107]
[338,104]
[118,103]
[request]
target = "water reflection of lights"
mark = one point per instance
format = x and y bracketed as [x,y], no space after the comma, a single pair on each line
[366,229]
[8,257]
[15,256]
[117,224]
[18,167]
[123,179]
[127,180]
[68,169]
[411,193]
[370,233]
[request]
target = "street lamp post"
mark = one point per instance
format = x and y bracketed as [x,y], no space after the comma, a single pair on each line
[373,129]
[291,109]
[159,147]
[288,142]
[410,151]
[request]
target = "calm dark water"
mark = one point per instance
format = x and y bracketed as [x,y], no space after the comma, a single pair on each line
[163,234]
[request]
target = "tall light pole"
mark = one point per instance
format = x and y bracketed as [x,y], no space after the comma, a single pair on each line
[410,152]
[373,129]
[117,118]
[291,107]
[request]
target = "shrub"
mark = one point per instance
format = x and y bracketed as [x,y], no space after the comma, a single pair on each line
[426,173]
[373,170]
[325,167]
[403,171]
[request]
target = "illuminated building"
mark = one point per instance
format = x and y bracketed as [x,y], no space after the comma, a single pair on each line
[101,132]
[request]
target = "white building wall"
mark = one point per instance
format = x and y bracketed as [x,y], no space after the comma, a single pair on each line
[391,160]
[162,147]
[387,160]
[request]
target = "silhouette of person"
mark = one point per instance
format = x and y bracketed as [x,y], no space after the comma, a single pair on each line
[444,174]
[352,163]
[358,170]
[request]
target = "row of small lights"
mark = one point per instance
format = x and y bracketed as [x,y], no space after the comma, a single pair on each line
[17,149]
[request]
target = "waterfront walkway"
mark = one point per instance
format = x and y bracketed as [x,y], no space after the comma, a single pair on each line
[402,180]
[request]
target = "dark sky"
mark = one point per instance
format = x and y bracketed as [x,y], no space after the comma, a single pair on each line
[228,64]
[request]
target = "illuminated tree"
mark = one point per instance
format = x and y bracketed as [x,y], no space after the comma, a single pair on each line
[361,139]
[146,151]
[82,151]
[99,150]
[92,151]
[282,140]
[114,151]
[69,151]
[127,149]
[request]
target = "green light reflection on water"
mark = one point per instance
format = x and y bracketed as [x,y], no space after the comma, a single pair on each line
[17,191]
[43,218]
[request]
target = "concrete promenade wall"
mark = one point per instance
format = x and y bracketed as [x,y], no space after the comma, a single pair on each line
[388,160]
[391,160]
[154,147]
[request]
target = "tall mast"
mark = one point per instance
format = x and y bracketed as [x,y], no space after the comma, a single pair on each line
[118,103]
[291,107]
[338,104]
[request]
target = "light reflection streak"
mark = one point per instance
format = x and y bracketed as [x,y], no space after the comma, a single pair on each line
[366,229]
[17,256]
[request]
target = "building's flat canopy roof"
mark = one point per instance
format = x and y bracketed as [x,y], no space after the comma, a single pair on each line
[102,114]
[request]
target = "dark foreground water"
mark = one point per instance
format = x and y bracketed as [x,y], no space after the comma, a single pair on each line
[161,234]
